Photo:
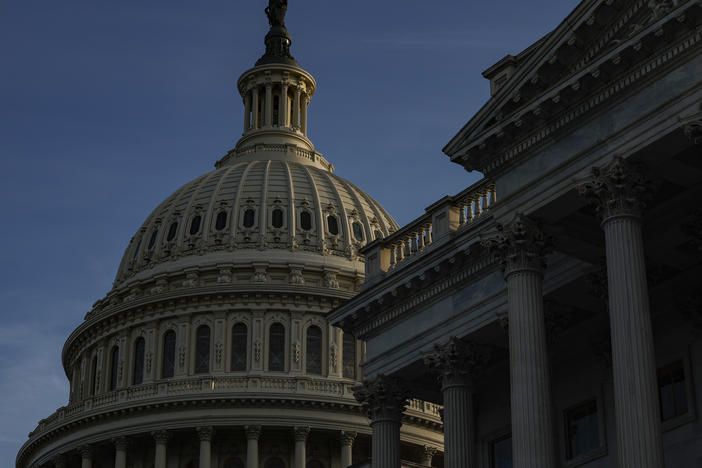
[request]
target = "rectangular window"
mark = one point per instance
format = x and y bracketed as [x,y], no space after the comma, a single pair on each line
[582,429]
[672,391]
[501,452]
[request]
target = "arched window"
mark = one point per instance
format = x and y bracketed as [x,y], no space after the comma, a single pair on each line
[333,225]
[202,349]
[276,347]
[139,347]
[221,221]
[233,462]
[152,241]
[277,218]
[348,356]
[172,231]
[274,462]
[249,217]
[314,350]
[169,346]
[195,225]
[357,231]
[239,336]
[93,376]
[114,368]
[305,220]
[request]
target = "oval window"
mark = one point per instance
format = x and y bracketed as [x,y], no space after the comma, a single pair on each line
[333,225]
[249,216]
[195,225]
[221,221]
[172,231]
[152,241]
[306,220]
[357,231]
[277,218]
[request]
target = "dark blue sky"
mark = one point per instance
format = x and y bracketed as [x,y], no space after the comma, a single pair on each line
[106,107]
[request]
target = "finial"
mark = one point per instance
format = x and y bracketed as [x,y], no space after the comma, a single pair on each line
[277,40]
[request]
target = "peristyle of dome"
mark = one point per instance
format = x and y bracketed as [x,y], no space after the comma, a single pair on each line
[212,349]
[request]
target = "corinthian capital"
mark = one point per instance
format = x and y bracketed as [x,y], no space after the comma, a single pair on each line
[693,130]
[252,432]
[618,189]
[160,437]
[457,362]
[347,438]
[205,432]
[301,433]
[86,451]
[383,398]
[520,245]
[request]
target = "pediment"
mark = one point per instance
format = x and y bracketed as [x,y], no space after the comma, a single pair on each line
[597,43]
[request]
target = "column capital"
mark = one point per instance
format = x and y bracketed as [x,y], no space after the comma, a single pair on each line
[252,432]
[120,443]
[428,453]
[301,433]
[86,451]
[457,362]
[161,437]
[205,433]
[693,130]
[347,438]
[520,245]
[383,398]
[59,461]
[617,189]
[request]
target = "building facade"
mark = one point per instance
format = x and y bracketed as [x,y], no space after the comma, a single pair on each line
[213,349]
[557,300]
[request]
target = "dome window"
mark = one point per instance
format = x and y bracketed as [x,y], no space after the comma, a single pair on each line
[136,250]
[93,376]
[114,368]
[277,218]
[313,361]
[276,347]
[378,234]
[348,356]
[139,348]
[333,225]
[202,350]
[169,347]
[221,221]
[249,218]
[239,337]
[172,231]
[357,231]
[152,241]
[195,225]
[306,220]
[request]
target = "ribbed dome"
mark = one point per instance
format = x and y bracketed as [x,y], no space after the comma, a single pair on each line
[276,211]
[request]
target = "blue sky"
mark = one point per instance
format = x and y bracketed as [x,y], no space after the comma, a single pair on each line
[106,107]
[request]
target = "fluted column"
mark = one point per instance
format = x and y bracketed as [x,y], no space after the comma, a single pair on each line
[346,438]
[384,400]
[283,105]
[121,444]
[521,247]
[161,439]
[255,107]
[296,108]
[617,193]
[428,453]
[253,433]
[86,454]
[301,433]
[247,111]
[303,120]
[205,434]
[269,105]
[457,363]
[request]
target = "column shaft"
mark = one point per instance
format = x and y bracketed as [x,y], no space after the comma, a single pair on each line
[633,359]
[296,109]
[532,423]
[121,458]
[283,112]
[346,456]
[386,444]
[247,111]
[256,106]
[252,435]
[303,122]
[269,105]
[459,427]
[205,453]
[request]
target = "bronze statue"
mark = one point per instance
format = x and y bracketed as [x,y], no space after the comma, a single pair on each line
[275,11]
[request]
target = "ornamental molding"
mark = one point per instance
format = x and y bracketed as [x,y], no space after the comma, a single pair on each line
[519,245]
[383,399]
[457,362]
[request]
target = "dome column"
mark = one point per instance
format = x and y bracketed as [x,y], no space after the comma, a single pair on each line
[269,105]
[205,434]
[303,123]
[428,453]
[255,107]
[346,438]
[86,454]
[253,433]
[161,439]
[296,109]
[247,111]
[617,192]
[301,434]
[283,105]
[384,400]
[120,444]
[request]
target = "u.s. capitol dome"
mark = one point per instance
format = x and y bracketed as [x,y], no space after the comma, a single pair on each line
[212,350]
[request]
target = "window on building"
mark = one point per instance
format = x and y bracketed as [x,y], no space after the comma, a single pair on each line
[500,451]
[221,220]
[349,356]
[233,462]
[357,231]
[305,221]
[277,218]
[136,250]
[114,368]
[202,349]
[172,231]
[249,217]
[672,390]
[195,225]
[313,361]
[582,429]
[169,346]
[139,348]
[93,376]
[333,225]
[276,347]
[274,462]
[152,240]
[239,347]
